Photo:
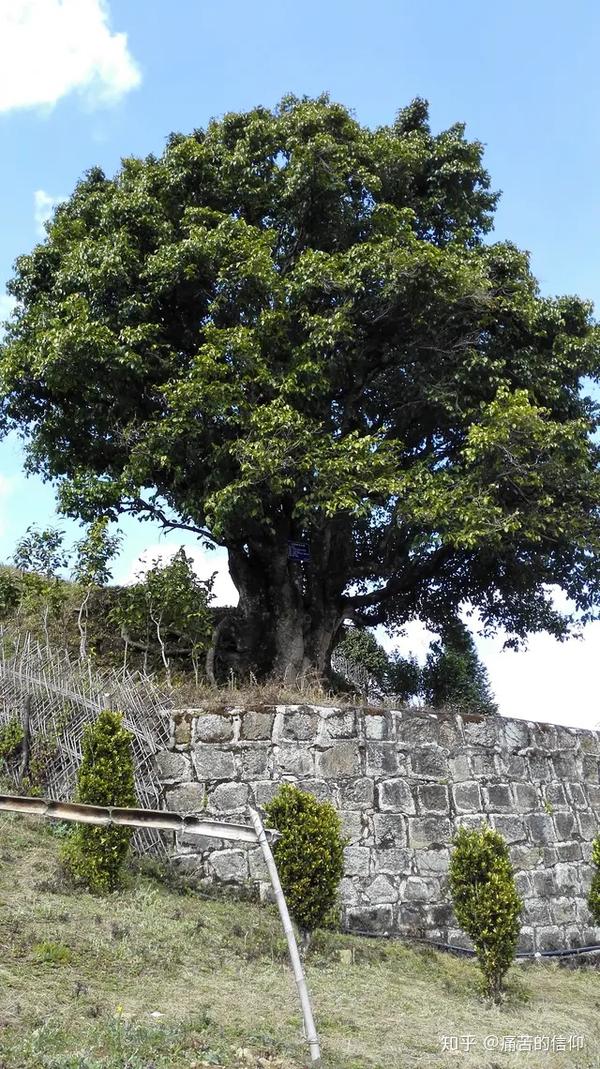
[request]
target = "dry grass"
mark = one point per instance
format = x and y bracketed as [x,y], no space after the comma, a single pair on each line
[81,979]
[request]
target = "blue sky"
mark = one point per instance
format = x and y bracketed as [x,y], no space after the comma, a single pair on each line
[84,82]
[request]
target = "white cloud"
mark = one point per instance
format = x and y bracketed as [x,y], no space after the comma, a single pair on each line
[205,563]
[43,206]
[50,48]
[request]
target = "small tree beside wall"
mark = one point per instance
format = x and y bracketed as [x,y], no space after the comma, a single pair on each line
[95,855]
[309,855]
[486,902]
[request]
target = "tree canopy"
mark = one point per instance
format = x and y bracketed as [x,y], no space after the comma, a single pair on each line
[289,328]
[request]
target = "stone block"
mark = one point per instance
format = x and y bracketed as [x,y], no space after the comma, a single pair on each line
[432,798]
[189,866]
[540,768]
[396,860]
[300,725]
[568,851]
[591,769]
[416,890]
[389,829]
[510,827]
[340,724]
[229,797]
[211,763]
[460,768]
[576,795]
[497,796]
[357,860]
[523,884]
[526,857]
[231,866]
[380,889]
[554,794]
[254,761]
[485,765]
[565,825]
[256,864]
[467,797]
[171,765]
[373,920]
[379,726]
[351,824]
[433,862]
[425,832]
[182,728]
[294,760]
[544,883]
[430,763]
[449,735]
[566,738]
[342,761]
[357,794]
[484,732]
[567,878]
[210,727]
[516,734]
[541,828]
[383,759]
[567,766]
[348,892]
[396,795]
[536,912]
[526,797]
[325,792]
[513,766]
[265,791]
[188,798]
[548,938]
[564,911]
[415,730]
[257,725]
[588,824]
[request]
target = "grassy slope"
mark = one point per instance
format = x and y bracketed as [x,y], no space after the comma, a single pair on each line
[81,977]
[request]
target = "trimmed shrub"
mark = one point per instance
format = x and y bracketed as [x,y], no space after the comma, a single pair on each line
[486,902]
[95,855]
[594,895]
[309,856]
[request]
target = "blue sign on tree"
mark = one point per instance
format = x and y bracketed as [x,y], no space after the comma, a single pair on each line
[298,551]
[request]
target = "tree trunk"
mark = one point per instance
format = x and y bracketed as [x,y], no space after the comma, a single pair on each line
[289,612]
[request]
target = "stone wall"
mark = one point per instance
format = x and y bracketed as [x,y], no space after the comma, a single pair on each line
[402,781]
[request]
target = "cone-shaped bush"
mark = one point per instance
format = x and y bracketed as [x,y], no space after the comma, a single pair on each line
[485,900]
[594,895]
[95,855]
[309,855]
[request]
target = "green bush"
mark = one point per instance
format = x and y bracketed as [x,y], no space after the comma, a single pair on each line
[485,900]
[95,855]
[594,895]
[309,855]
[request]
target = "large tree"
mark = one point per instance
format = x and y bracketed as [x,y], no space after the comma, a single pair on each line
[289,328]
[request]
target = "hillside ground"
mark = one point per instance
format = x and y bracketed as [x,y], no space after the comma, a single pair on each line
[158,977]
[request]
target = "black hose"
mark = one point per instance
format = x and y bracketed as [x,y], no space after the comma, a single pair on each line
[466,952]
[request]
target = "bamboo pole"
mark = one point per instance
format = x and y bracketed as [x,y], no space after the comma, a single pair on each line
[309,1021]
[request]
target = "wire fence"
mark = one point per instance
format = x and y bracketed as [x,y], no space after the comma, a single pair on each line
[54,697]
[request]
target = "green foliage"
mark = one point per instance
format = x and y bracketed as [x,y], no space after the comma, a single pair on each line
[454,676]
[485,900]
[289,327]
[95,855]
[391,673]
[594,893]
[309,856]
[167,610]
[11,737]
